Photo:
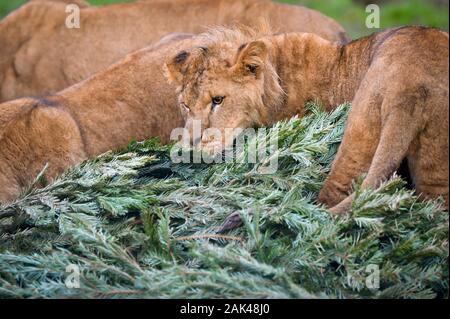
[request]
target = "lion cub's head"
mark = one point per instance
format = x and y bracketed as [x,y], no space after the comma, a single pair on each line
[225,86]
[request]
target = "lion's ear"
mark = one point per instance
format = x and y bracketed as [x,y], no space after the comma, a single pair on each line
[176,67]
[251,58]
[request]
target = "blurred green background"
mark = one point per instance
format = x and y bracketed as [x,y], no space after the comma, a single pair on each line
[350,13]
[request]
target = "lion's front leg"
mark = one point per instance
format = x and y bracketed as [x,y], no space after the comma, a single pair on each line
[355,152]
[353,159]
[384,149]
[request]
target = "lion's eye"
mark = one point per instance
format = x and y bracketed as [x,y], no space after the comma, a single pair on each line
[217,100]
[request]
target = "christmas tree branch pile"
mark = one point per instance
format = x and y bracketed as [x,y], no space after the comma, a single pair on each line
[136,225]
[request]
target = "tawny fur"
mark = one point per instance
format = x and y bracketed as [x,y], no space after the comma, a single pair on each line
[39,55]
[131,100]
[397,81]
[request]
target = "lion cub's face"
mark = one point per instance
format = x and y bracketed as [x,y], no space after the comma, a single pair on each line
[221,89]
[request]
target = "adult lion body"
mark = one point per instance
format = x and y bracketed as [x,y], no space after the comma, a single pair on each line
[40,55]
[397,81]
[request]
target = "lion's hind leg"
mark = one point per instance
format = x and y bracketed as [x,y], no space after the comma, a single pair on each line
[42,135]
[429,157]
[401,124]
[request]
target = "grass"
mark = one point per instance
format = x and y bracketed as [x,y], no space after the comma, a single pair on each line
[352,15]
[349,13]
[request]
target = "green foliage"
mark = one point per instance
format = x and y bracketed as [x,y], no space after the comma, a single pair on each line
[351,14]
[139,225]
[103,2]
[6,6]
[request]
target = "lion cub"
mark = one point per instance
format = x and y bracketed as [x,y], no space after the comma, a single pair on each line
[131,100]
[397,81]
